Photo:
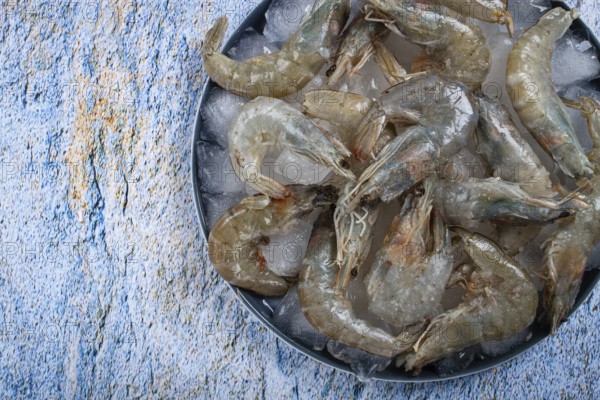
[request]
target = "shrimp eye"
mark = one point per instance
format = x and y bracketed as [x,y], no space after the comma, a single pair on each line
[354,272]
[420,191]
[264,240]
[331,70]
[345,164]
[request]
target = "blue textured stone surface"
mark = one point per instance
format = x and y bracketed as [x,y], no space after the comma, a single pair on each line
[104,285]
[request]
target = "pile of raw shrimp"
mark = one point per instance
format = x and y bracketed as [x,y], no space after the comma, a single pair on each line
[446,272]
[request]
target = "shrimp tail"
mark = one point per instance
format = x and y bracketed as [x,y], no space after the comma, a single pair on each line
[215,36]
[392,70]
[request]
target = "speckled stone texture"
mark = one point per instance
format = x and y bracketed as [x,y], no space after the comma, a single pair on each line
[104,285]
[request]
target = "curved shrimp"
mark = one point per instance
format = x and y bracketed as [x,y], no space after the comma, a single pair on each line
[494,11]
[530,87]
[264,122]
[233,243]
[410,272]
[430,101]
[362,40]
[501,300]
[565,258]
[508,154]
[454,46]
[446,120]
[283,72]
[567,251]
[327,308]
[468,203]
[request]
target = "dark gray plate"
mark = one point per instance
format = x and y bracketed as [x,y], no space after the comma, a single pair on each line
[254,303]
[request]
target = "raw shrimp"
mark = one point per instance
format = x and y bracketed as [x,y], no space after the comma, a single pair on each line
[494,200]
[354,232]
[362,40]
[447,120]
[454,46]
[283,72]
[590,109]
[501,300]
[234,241]
[530,87]
[410,272]
[405,161]
[509,155]
[494,11]
[567,251]
[565,257]
[327,308]
[430,101]
[264,122]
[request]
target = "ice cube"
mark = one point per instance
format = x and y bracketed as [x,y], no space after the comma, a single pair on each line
[284,18]
[368,82]
[285,252]
[216,172]
[288,317]
[292,168]
[580,125]
[527,13]
[456,362]
[216,204]
[217,113]
[250,44]
[494,348]
[494,85]
[364,364]
[571,65]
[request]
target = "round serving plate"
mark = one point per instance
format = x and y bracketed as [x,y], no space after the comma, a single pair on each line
[261,309]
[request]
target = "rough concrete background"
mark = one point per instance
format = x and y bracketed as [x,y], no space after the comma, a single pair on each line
[104,286]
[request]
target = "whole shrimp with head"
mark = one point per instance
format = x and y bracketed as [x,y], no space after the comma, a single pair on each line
[567,251]
[410,272]
[283,72]
[266,122]
[501,300]
[234,242]
[363,39]
[446,119]
[530,87]
[454,47]
[328,309]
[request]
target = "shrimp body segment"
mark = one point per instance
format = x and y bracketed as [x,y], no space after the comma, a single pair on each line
[454,46]
[530,87]
[508,154]
[234,242]
[494,11]
[266,122]
[468,203]
[565,258]
[327,308]
[283,72]
[501,300]
[431,101]
[410,272]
